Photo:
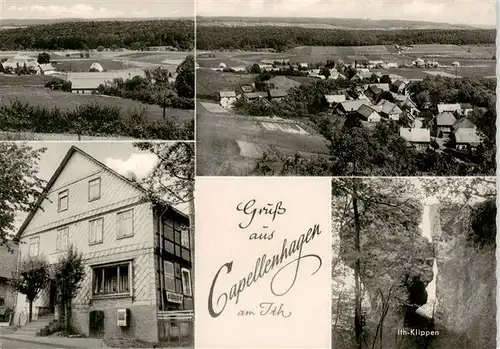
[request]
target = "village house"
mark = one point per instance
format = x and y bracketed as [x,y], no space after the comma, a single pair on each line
[417,137]
[399,86]
[391,65]
[96,67]
[47,69]
[389,110]
[247,88]
[466,109]
[254,96]
[466,138]
[277,94]
[373,91]
[137,253]
[443,124]
[464,123]
[406,101]
[88,82]
[333,100]
[351,105]
[442,108]
[8,265]
[366,113]
[227,99]
[21,61]
[264,66]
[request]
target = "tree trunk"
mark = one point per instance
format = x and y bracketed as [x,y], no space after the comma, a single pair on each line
[30,316]
[67,324]
[164,106]
[358,325]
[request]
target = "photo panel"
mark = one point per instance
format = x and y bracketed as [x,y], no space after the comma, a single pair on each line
[263,263]
[97,70]
[413,262]
[104,234]
[346,89]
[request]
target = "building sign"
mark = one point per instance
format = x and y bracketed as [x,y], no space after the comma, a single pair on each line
[174,297]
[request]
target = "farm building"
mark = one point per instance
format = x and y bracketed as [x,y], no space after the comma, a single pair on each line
[399,86]
[20,61]
[227,99]
[352,105]
[86,83]
[96,67]
[367,113]
[391,65]
[277,94]
[465,138]
[389,110]
[136,252]
[418,137]
[47,69]
[466,109]
[464,123]
[444,123]
[405,101]
[333,100]
[449,107]
[254,96]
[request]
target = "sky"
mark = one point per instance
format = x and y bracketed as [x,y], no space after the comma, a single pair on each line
[119,156]
[94,9]
[471,12]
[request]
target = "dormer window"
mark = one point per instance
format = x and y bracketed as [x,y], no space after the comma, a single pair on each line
[95,189]
[62,203]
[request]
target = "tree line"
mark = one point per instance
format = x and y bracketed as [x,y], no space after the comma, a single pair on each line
[91,35]
[282,38]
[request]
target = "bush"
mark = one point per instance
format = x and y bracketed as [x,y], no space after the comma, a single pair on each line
[483,223]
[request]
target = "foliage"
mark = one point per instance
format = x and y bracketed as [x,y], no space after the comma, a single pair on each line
[282,38]
[483,223]
[32,275]
[172,180]
[184,82]
[20,185]
[68,273]
[59,84]
[255,69]
[89,119]
[43,58]
[99,35]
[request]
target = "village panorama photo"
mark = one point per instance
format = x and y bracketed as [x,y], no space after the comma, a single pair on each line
[90,71]
[97,245]
[358,88]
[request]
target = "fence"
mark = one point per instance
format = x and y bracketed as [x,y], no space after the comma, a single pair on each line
[176,324]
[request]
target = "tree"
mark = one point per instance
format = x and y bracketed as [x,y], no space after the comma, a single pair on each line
[184,82]
[43,58]
[32,275]
[330,63]
[385,79]
[255,69]
[100,48]
[325,72]
[68,272]
[20,186]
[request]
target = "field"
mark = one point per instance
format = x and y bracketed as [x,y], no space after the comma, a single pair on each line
[23,80]
[209,82]
[230,145]
[66,101]
[83,65]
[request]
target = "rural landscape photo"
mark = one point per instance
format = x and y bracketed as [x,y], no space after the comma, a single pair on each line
[414,263]
[96,78]
[345,96]
[97,244]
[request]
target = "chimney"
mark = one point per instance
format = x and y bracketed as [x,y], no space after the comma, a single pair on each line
[131,176]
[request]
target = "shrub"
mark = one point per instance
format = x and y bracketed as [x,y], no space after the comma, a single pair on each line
[483,223]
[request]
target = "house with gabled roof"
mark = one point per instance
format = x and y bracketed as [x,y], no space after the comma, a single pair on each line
[277,94]
[136,251]
[389,110]
[418,137]
[464,123]
[443,123]
[443,107]
[351,105]
[367,113]
[227,99]
[333,100]
[466,138]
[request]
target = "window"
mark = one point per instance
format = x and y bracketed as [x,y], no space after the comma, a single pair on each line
[94,189]
[169,276]
[34,246]
[125,223]
[184,236]
[62,203]
[186,282]
[113,279]
[62,239]
[96,230]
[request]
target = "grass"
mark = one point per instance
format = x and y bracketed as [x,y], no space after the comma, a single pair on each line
[136,343]
[209,82]
[23,80]
[47,98]
[83,65]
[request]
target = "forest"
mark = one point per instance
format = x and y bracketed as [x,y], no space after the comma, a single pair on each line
[282,38]
[109,34]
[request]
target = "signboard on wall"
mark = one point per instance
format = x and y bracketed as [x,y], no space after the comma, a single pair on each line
[174,297]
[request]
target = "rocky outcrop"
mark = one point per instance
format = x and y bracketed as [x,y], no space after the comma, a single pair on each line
[466,283]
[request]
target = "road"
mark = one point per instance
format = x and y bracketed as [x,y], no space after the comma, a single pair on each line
[230,145]
[13,344]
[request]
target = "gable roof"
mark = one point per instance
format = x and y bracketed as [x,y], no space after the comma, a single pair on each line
[227,94]
[353,105]
[335,98]
[442,107]
[46,67]
[445,119]
[92,80]
[58,171]
[277,93]
[365,111]
[389,107]
[464,123]
[255,95]
[415,135]
[467,136]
